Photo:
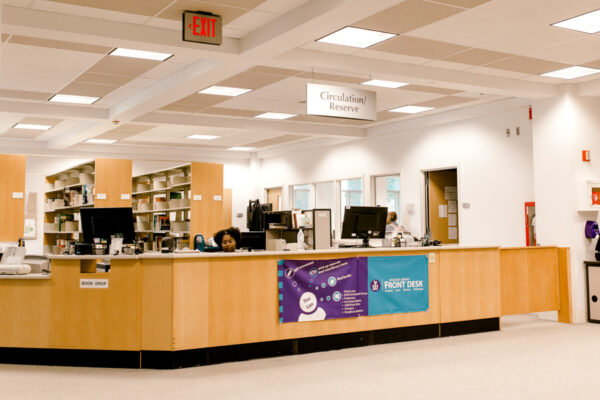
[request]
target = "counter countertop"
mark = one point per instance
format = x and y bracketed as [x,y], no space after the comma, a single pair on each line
[195,254]
[28,276]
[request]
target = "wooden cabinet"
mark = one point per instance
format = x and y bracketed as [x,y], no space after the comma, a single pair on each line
[12,197]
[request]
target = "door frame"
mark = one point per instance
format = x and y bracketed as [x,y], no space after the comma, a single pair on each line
[424,199]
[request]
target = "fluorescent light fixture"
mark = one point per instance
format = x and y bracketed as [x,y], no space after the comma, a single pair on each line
[241,148]
[411,109]
[572,72]
[588,23]
[101,141]
[71,98]
[225,91]
[387,84]
[33,127]
[274,115]
[356,37]
[145,55]
[202,137]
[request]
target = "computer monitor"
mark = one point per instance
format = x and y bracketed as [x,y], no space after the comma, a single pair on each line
[253,240]
[104,222]
[364,223]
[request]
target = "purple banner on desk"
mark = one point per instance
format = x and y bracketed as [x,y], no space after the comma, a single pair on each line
[312,290]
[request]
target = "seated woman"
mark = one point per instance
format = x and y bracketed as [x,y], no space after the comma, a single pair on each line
[228,239]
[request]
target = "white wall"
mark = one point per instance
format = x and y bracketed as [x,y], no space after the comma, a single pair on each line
[494,171]
[563,127]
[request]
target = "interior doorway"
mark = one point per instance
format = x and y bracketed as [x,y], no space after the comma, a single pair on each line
[441,205]
[274,197]
[530,224]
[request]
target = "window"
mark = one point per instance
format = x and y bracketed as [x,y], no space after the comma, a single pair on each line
[387,192]
[351,192]
[301,196]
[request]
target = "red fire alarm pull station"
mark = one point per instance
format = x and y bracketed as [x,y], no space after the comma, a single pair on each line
[585,155]
[530,113]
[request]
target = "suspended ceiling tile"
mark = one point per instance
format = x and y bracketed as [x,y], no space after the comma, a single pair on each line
[46,57]
[403,97]
[330,77]
[249,80]
[232,33]
[471,28]
[406,16]
[40,121]
[124,131]
[385,115]
[477,57]
[57,44]
[88,89]
[463,3]
[275,141]
[227,13]
[447,65]
[418,47]
[280,6]
[163,70]
[180,108]
[231,112]
[328,120]
[4,37]
[248,4]
[572,52]
[127,66]
[430,89]
[533,38]
[201,101]
[252,20]
[22,134]
[329,48]
[544,12]
[399,58]
[148,7]
[24,95]
[446,101]
[30,83]
[262,69]
[498,72]
[105,79]
[527,65]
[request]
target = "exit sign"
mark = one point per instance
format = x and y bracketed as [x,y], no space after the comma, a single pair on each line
[201,27]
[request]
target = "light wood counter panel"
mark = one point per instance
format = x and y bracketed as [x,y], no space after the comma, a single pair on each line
[12,211]
[156,305]
[529,280]
[227,207]
[113,177]
[565,313]
[102,319]
[25,313]
[469,285]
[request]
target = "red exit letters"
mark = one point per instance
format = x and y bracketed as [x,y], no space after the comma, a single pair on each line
[203,26]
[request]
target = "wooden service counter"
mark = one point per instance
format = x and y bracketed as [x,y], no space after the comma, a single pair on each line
[173,310]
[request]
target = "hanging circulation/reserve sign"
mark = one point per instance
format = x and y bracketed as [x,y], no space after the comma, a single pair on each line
[342,102]
[202,27]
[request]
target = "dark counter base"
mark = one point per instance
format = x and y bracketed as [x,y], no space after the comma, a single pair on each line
[241,352]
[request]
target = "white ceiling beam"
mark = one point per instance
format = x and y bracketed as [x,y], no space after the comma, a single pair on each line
[591,88]
[295,127]
[53,110]
[80,132]
[421,74]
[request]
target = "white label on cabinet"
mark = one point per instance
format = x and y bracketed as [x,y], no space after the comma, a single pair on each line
[125,196]
[431,258]
[197,197]
[17,195]
[101,196]
[217,197]
[93,283]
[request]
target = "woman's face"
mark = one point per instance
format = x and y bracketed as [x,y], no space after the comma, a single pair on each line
[228,243]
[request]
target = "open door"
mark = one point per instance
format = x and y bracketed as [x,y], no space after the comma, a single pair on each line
[442,205]
[530,224]
[274,197]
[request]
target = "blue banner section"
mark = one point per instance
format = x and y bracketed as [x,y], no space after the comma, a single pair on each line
[398,284]
[312,290]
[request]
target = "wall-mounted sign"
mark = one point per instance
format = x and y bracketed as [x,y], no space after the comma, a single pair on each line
[201,27]
[342,102]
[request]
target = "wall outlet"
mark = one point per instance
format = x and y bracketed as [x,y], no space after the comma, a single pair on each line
[17,195]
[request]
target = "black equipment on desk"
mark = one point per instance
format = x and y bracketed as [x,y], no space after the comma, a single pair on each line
[253,241]
[278,219]
[106,222]
[364,223]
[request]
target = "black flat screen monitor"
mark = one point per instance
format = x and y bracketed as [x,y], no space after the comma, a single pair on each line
[253,240]
[104,222]
[364,223]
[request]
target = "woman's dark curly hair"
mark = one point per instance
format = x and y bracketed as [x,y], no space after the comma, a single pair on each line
[231,231]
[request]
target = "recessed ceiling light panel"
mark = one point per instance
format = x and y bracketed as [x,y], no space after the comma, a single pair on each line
[145,55]
[241,148]
[70,98]
[225,91]
[387,84]
[356,37]
[101,141]
[33,127]
[588,23]
[411,109]
[571,72]
[202,137]
[274,115]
